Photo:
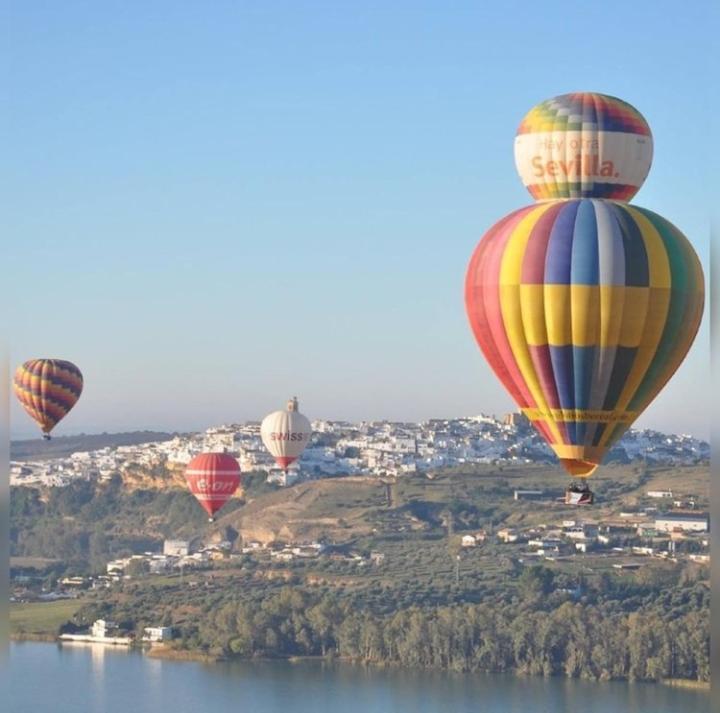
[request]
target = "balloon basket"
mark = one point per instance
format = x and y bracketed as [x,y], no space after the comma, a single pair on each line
[577,495]
[46,436]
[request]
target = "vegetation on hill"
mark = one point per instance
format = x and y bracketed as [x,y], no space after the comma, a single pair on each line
[85,524]
[40,618]
[427,602]
[613,630]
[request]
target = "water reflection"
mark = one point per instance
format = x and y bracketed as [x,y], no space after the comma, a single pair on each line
[153,690]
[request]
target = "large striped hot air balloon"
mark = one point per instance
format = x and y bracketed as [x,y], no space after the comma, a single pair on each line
[584,309]
[583,145]
[286,433]
[212,479]
[48,389]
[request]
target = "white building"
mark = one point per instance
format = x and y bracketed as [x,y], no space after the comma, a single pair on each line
[117,566]
[157,633]
[546,543]
[701,559]
[688,522]
[528,494]
[219,441]
[508,535]
[160,565]
[101,627]
[176,548]
[283,478]
[581,532]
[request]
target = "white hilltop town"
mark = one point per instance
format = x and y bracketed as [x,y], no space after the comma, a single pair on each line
[373,448]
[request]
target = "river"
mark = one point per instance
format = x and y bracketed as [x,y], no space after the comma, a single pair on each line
[93,678]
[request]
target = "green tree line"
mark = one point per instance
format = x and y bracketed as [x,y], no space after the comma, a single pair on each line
[574,639]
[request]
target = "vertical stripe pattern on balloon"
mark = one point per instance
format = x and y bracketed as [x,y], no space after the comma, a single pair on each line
[584,309]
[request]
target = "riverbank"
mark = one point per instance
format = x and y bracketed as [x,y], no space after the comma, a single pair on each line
[166,652]
[31,636]
[170,653]
[162,651]
[159,651]
[686,683]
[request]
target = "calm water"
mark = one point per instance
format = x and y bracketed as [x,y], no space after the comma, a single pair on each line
[79,678]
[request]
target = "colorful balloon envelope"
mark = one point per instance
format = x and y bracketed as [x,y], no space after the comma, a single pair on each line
[286,434]
[583,145]
[212,479]
[584,309]
[47,390]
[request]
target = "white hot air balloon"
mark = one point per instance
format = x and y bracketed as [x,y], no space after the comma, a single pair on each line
[286,433]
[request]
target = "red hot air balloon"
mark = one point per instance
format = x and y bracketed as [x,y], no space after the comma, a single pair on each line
[213,478]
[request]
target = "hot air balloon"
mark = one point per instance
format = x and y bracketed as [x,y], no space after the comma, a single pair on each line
[584,309]
[286,433]
[583,145]
[48,389]
[213,478]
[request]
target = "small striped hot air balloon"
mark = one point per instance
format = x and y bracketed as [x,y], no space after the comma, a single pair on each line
[212,479]
[47,390]
[286,433]
[584,309]
[583,145]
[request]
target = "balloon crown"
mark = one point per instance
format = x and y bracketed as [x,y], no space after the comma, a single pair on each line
[583,145]
[292,404]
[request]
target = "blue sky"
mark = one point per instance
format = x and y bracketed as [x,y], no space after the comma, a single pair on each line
[213,206]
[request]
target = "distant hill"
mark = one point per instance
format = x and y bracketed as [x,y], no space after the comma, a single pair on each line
[341,510]
[38,449]
[89,522]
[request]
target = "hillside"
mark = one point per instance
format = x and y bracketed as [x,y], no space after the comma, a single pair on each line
[343,509]
[88,523]
[395,563]
[335,509]
[63,446]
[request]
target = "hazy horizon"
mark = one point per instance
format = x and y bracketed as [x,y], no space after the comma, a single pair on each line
[31,433]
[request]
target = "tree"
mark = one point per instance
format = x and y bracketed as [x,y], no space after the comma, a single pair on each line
[536,581]
[99,549]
